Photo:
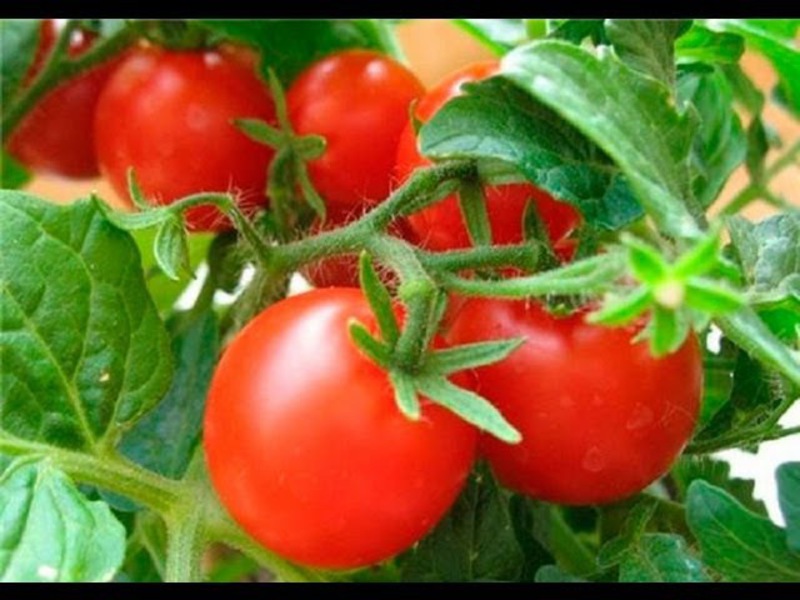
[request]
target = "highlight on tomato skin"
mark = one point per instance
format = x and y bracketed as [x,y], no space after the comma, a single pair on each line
[168,114]
[56,136]
[441,226]
[601,419]
[305,445]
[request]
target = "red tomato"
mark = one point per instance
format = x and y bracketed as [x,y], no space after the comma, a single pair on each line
[440,226]
[358,100]
[168,114]
[57,135]
[307,449]
[600,417]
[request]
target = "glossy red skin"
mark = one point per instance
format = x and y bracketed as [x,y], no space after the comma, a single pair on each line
[307,449]
[600,417]
[441,226]
[168,114]
[56,136]
[358,100]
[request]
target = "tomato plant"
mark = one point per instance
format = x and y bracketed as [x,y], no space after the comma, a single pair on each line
[441,226]
[498,393]
[169,115]
[57,136]
[601,418]
[358,101]
[289,454]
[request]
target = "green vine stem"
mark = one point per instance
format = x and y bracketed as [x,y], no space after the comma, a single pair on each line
[591,275]
[757,189]
[59,67]
[110,472]
[185,544]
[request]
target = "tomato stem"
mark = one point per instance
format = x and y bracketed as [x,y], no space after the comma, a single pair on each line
[60,67]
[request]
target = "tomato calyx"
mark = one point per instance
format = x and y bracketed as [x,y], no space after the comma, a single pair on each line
[678,296]
[428,375]
[287,171]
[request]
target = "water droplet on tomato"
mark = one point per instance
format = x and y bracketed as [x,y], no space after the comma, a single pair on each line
[594,461]
[642,416]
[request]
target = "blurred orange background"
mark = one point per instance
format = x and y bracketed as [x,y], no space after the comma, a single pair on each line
[435,47]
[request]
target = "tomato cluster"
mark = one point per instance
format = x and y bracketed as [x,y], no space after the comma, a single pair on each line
[304,442]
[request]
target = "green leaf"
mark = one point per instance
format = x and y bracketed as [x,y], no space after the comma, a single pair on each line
[50,532]
[691,468]
[700,44]
[470,356]
[164,290]
[717,379]
[788,476]
[469,406]
[720,144]
[165,438]
[379,299]
[738,544]
[577,30]
[757,149]
[172,250]
[661,558]
[496,120]
[499,35]
[758,396]
[474,542]
[750,333]
[290,45]
[529,531]
[19,39]
[769,253]
[83,349]
[630,116]
[745,92]
[554,574]
[647,45]
[775,39]
[13,174]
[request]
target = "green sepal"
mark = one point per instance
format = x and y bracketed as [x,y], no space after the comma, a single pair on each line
[667,331]
[646,263]
[405,394]
[379,300]
[701,258]
[469,356]
[472,202]
[711,297]
[135,191]
[376,351]
[469,406]
[622,309]
[260,131]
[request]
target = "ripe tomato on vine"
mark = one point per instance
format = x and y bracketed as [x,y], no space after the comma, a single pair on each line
[169,114]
